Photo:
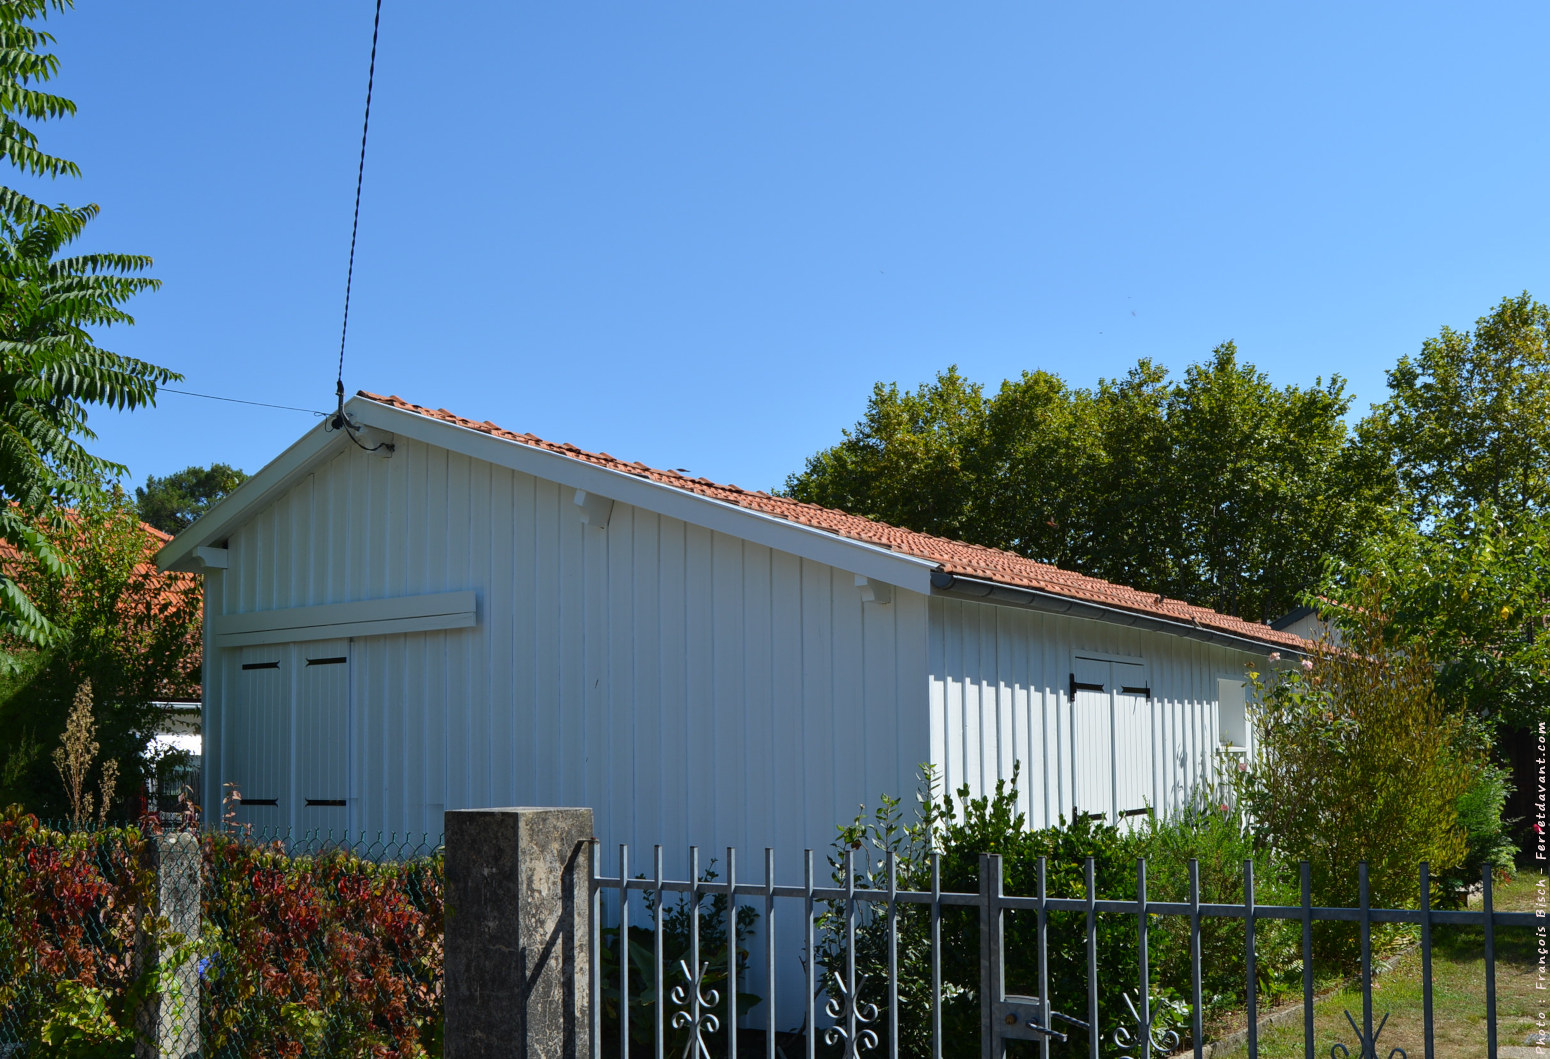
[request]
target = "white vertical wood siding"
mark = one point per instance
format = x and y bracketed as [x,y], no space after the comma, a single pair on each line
[1000,692]
[687,685]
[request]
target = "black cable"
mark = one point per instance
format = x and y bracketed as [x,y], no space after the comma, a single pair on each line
[342,421]
[360,174]
[238,400]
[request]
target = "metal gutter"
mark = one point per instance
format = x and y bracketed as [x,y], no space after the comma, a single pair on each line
[945,584]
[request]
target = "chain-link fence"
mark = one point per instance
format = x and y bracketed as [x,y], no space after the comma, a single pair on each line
[226,945]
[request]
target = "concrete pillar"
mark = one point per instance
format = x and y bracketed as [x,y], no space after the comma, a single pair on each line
[167,1024]
[518,933]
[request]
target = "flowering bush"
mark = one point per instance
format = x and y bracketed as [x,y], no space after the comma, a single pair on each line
[326,954]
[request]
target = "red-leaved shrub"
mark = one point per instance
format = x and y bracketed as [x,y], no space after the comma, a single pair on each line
[321,954]
[69,902]
[326,954]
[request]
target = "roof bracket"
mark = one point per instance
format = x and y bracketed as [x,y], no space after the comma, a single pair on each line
[595,510]
[874,591]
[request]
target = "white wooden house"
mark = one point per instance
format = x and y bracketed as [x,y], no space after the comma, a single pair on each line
[429,613]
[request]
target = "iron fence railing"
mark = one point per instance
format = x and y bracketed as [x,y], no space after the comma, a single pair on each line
[662,990]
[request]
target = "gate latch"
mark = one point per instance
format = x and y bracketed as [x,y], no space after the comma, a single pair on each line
[1017,1018]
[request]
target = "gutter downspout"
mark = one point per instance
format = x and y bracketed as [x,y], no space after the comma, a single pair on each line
[946,584]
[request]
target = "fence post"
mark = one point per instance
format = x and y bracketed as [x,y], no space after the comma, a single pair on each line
[518,933]
[167,1022]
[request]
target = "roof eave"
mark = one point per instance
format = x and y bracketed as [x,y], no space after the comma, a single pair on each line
[846,553]
[958,586]
[226,514]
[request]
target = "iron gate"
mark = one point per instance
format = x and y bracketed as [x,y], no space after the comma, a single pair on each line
[696,1005]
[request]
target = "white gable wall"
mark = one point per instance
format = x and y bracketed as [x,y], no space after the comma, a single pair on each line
[1000,691]
[688,685]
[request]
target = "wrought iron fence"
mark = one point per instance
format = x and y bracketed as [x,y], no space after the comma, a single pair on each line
[675,979]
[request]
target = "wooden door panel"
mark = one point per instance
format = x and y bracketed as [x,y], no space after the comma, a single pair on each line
[258,741]
[1133,737]
[1092,744]
[321,717]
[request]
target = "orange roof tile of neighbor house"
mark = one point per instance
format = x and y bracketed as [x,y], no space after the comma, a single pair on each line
[951,556]
[165,585]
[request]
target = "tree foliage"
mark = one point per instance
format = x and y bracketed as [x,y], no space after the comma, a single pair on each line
[125,626]
[1218,487]
[173,503]
[52,371]
[1467,422]
[1472,589]
[23,64]
[1359,760]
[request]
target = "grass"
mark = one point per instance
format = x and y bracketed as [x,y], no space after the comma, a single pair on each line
[1458,994]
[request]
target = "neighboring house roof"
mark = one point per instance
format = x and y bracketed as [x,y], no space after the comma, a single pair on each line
[950,556]
[164,584]
[1291,617]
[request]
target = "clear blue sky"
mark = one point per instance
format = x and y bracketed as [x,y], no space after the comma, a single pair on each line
[695,234]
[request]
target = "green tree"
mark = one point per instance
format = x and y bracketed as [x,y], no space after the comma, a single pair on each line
[1464,436]
[1359,760]
[52,371]
[1467,421]
[1474,591]
[24,63]
[1219,488]
[1256,486]
[171,504]
[125,626]
[905,462]
[1038,449]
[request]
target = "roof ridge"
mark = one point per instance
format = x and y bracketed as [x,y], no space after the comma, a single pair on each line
[951,556]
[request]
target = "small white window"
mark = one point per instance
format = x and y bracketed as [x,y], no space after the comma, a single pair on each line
[1232,713]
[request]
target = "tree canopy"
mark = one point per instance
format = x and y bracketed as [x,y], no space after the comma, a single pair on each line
[1475,594]
[171,504]
[1467,421]
[1464,437]
[52,371]
[1218,487]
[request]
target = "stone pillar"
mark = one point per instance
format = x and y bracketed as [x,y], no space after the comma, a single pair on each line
[167,1024]
[518,933]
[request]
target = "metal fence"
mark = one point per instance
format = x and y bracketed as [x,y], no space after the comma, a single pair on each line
[672,979]
[219,945]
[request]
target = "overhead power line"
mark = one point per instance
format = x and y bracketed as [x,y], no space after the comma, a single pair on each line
[360,174]
[238,400]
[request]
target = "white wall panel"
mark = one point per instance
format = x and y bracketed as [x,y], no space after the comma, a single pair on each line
[688,685]
[1000,680]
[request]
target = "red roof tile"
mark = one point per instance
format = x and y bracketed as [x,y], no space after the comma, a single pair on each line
[950,556]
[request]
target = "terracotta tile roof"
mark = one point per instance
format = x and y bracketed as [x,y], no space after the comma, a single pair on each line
[154,589]
[950,556]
